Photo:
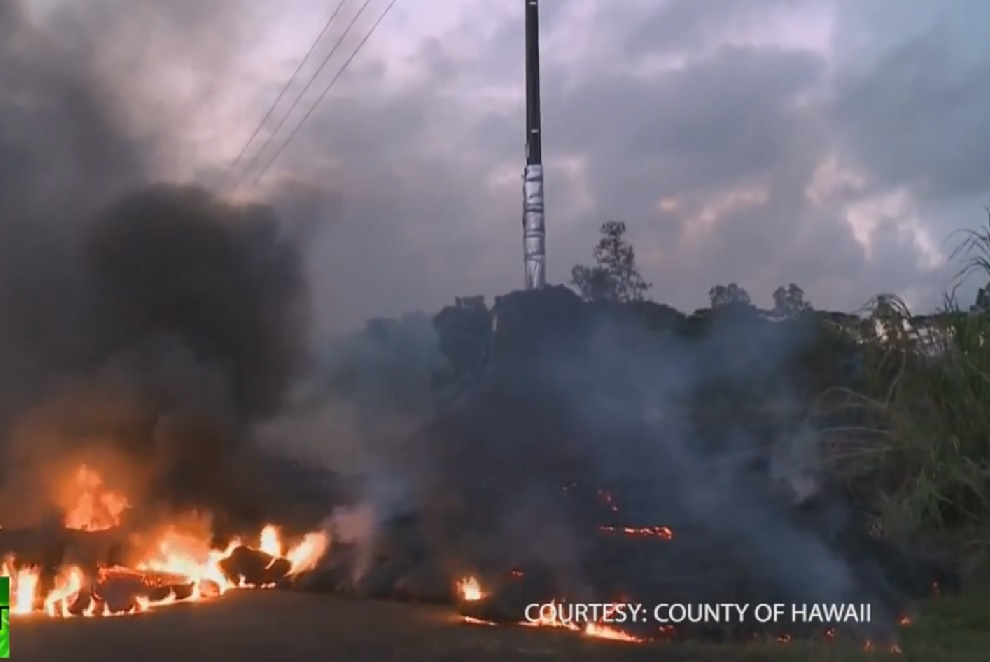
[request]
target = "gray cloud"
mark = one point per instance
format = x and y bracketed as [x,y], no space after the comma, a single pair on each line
[916,114]
[709,133]
[831,144]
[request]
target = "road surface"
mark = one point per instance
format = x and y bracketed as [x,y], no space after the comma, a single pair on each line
[284,626]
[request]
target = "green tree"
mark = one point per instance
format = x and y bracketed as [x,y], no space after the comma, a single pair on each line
[726,295]
[614,276]
[789,302]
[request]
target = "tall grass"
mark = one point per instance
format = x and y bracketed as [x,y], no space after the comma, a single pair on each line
[915,441]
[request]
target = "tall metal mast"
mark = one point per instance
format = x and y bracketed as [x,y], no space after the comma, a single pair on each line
[534,230]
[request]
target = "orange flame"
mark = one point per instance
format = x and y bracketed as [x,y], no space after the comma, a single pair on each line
[469,589]
[664,532]
[546,619]
[175,558]
[95,507]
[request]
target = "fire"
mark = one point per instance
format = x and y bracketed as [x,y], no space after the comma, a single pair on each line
[470,589]
[605,632]
[270,543]
[178,560]
[177,565]
[24,583]
[186,557]
[95,507]
[471,620]
[307,553]
[595,630]
[641,531]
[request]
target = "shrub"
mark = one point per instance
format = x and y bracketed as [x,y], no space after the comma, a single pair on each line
[916,442]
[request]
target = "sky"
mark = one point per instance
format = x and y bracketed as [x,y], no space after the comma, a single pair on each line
[829,143]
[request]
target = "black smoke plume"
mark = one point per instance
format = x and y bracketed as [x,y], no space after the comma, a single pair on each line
[144,328]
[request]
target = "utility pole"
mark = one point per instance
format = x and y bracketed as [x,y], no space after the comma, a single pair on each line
[534,230]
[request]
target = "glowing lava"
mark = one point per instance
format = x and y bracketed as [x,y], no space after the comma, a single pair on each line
[595,630]
[177,565]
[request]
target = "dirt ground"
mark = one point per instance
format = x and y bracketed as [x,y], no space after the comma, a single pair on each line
[282,626]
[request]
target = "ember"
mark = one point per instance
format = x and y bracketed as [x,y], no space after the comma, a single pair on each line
[641,531]
[608,501]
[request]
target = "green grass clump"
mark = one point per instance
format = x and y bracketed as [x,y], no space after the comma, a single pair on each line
[917,440]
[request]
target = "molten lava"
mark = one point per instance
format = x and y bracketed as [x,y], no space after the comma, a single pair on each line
[596,630]
[176,566]
[664,532]
[469,589]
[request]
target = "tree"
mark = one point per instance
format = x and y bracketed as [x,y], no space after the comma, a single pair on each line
[614,276]
[726,295]
[789,302]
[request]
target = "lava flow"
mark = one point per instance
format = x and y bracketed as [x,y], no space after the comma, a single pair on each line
[177,563]
[469,589]
[596,630]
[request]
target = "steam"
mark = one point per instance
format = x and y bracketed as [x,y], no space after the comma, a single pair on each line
[361,397]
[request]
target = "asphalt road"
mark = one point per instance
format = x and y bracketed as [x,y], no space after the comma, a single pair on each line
[284,626]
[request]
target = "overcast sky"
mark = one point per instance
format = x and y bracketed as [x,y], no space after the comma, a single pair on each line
[831,143]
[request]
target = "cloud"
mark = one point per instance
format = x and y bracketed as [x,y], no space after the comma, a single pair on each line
[831,144]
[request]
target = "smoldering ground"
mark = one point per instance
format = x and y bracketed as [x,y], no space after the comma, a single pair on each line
[577,404]
[143,327]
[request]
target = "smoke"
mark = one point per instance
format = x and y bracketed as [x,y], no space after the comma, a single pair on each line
[659,422]
[188,322]
[357,526]
[363,394]
[698,461]
[144,328]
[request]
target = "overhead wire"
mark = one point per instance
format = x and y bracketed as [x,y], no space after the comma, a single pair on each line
[285,88]
[302,93]
[329,86]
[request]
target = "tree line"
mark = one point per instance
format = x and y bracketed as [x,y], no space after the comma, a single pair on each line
[615,276]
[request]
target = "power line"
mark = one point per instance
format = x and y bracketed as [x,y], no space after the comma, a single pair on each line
[326,90]
[302,93]
[285,88]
